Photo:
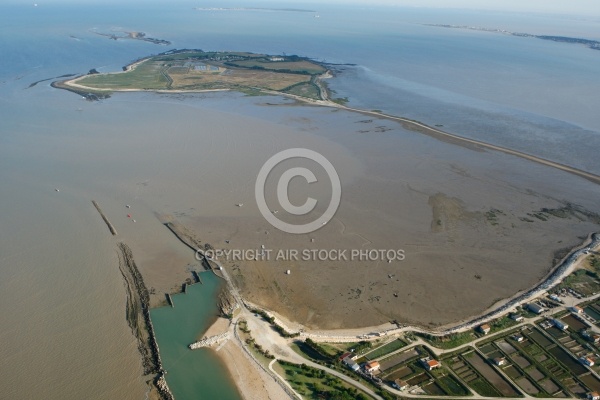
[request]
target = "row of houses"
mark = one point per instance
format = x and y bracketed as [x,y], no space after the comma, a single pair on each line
[372,367]
[590,336]
[536,309]
[486,328]
[349,359]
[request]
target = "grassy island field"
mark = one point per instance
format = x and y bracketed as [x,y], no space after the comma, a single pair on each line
[196,70]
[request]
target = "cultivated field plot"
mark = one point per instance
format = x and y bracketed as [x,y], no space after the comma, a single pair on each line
[400,373]
[388,364]
[505,347]
[385,349]
[306,89]
[593,311]
[197,70]
[233,78]
[525,363]
[406,366]
[527,386]
[591,382]
[472,377]
[574,323]
[490,374]
[305,67]
[148,75]
[553,369]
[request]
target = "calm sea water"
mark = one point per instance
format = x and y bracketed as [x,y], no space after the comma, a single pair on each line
[62,300]
[191,374]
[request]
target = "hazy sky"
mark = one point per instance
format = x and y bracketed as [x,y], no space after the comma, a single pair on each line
[581,7]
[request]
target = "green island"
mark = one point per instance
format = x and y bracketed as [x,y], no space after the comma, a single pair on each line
[197,70]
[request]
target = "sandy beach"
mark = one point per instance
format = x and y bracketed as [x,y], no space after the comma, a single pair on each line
[252,381]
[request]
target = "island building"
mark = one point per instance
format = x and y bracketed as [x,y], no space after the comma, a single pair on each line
[400,384]
[586,361]
[535,308]
[372,366]
[559,324]
[576,310]
[351,364]
[485,329]
[516,317]
[517,338]
[499,361]
[429,364]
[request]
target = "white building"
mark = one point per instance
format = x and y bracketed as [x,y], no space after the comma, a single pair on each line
[559,324]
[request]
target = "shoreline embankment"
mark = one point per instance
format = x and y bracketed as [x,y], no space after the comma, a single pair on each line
[111,228]
[138,318]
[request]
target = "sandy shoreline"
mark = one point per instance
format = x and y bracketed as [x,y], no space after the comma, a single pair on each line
[252,382]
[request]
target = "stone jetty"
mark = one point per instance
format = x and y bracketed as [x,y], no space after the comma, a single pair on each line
[209,341]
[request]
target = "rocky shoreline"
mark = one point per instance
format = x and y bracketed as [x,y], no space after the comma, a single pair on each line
[138,318]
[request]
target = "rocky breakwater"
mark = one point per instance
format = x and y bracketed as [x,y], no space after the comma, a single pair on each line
[138,318]
[163,388]
[226,303]
[209,341]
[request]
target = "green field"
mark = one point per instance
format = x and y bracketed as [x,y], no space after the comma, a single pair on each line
[305,89]
[385,349]
[313,383]
[450,341]
[148,75]
[300,66]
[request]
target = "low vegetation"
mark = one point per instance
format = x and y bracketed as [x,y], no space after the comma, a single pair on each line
[255,347]
[386,349]
[314,383]
[449,341]
[583,281]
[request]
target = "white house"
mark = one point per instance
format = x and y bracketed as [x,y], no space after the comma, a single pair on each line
[586,361]
[372,366]
[559,324]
